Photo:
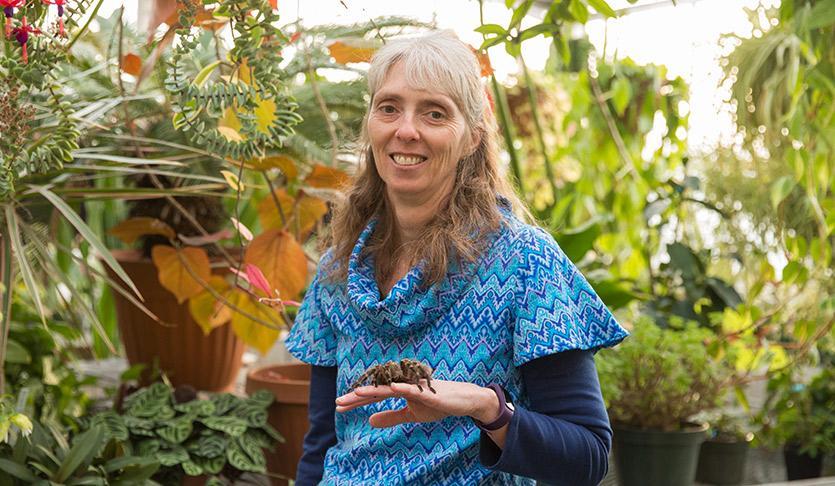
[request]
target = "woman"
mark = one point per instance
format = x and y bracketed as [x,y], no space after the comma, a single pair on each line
[427,261]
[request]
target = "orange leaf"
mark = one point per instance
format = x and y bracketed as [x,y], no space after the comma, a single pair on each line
[131,64]
[208,311]
[173,274]
[303,215]
[282,260]
[351,50]
[274,4]
[285,164]
[253,333]
[483,61]
[326,177]
[131,229]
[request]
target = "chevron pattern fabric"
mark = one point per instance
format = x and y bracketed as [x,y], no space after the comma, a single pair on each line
[522,300]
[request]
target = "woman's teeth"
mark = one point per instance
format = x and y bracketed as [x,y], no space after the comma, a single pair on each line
[407,160]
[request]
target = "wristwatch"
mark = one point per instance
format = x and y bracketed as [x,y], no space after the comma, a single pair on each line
[506,410]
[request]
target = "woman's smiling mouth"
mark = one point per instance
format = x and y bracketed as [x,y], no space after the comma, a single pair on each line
[407,160]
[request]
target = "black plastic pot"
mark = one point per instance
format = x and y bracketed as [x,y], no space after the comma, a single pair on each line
[801,466]
[656,457]
[722,462]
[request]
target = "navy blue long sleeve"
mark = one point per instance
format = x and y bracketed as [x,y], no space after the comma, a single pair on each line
[322,432]
[564,438]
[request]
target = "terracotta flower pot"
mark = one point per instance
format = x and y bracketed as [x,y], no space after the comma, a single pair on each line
[207,362]
[290,385]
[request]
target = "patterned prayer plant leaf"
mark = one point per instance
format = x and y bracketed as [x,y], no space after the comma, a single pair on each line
[208,446]
[240,460]
[255,453]
[211,465]
[165,413]
[176,431]
[173,456]
[233,426]
[148,447]
[255,415]
[272,433]
[203,408]
[192,468]
[262,398]
[223,402]
[214,481]
[113,425]
[259,438]
[147,402]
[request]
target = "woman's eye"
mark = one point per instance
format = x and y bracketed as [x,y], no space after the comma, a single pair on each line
[436,115]
[388,109]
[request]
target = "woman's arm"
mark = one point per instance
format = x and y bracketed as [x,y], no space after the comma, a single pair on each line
[565,437]
[322,433]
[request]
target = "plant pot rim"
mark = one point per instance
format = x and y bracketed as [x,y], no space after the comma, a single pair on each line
[285,390]
[258,374]
[690,427]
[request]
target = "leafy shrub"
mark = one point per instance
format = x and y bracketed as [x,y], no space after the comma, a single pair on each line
[659,378]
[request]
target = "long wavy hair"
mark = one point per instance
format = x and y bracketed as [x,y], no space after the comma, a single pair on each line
[470,212]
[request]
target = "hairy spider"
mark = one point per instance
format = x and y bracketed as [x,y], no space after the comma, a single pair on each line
[406,371]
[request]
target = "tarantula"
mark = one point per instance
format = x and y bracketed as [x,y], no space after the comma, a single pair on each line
[406,371]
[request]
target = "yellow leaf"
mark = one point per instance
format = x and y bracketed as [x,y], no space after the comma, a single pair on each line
[282,260]
[303,215]
[351,50]
[131,229]
[285,164]
[264,114]
[173,274]
[131,64]
[230,134]
[232,180]
[326,177]
[208,311]
[253,333]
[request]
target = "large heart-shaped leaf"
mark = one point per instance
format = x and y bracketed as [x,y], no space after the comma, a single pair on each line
[131,229]
[173,274]
[303,213]
[208,311]
[254,333]
[324,177]
[281,259]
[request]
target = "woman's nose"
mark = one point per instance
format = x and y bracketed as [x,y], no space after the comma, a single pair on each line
[407,131]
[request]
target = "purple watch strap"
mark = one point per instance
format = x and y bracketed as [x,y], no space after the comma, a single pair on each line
[505,411]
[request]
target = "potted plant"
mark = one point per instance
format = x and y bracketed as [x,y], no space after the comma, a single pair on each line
[801,419]
[215,439]
[654,384]
[723,455]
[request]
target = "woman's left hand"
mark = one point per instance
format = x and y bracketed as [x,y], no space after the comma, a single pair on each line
[454,398]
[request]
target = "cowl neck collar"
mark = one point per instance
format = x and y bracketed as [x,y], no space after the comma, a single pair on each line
[409,307]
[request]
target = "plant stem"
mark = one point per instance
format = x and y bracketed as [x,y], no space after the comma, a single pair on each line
[311,72]
[613,129]
[275,197]
[87,24]
[503,110]
[539,134]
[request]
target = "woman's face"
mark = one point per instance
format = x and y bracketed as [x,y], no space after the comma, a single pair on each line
[417,137]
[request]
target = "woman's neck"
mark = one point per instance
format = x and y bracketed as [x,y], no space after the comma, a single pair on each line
[411,216]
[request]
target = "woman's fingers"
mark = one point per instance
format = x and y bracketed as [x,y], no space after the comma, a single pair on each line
[390,418]
[357,403]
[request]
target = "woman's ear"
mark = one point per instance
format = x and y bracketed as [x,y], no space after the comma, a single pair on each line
[475,141]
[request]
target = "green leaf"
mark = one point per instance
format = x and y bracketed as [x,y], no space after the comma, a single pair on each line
[579,11]
[576,242]
[173,456]
[113,425]
[176,431]
[612,294]
[537,30]
[16,353]
[519,13]
[621,94]
[822,15]
[17,470]
[780,189]
[88,235]
[240,460]
[794,272]
[603,8]
[208,446]
[211,465]
[491,29]
[19,252]
[233,426]
[85,447]
[192,468]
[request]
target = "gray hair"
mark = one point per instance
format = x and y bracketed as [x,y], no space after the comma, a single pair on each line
[438,59]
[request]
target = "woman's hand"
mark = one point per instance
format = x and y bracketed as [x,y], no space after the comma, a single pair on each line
[454,398]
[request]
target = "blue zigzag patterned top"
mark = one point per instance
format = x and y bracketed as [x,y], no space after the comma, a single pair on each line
[523,299]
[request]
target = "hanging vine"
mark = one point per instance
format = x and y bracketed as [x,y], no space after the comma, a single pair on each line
[252,100]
